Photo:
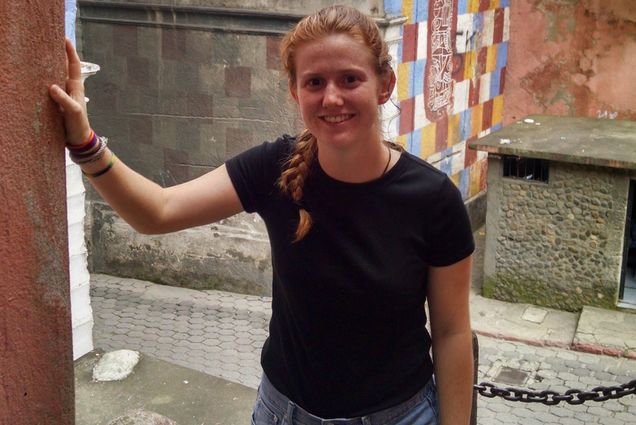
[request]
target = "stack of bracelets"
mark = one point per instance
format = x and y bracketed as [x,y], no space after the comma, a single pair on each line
[91,151]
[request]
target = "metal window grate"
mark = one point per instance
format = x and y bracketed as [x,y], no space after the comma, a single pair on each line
[526,168]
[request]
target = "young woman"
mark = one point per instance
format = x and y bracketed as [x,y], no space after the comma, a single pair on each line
[362,234]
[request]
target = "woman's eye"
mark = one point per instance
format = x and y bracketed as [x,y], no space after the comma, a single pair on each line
[350,79]
[314,82]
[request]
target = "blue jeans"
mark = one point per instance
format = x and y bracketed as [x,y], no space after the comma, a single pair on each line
[273,408]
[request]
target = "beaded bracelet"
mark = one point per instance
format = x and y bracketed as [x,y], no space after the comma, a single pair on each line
[93,155]
[112,160]
[84,147]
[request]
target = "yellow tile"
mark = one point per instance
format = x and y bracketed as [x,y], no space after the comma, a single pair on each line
[497,109]
[401,140]
[495,4]
[475,174]
[469,64]
[454,135]
[427,144]
[404,74]
[407,10]
[473,6]
[455,178]
[475,119]
[491,58]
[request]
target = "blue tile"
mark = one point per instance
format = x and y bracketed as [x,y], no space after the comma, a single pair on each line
[495,78]
[415,142]
[496,127]
[464,182]
[478,22]
[502,55]
[421,10]
[446,166]
[462,7]
[504,3]
[400,46]
[465,124]
[418,73]
[393,7]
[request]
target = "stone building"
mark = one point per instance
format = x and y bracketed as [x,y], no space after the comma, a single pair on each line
[560,227]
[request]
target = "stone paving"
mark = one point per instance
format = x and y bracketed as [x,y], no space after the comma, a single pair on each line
[221,334]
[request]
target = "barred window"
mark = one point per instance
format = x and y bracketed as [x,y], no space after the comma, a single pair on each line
[526,168]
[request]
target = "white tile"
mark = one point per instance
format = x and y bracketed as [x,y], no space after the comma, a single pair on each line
[460,96]
[464,32]
[422,40]
[419,113]
[506,28]
[484,87]
[489,28]
[458,158]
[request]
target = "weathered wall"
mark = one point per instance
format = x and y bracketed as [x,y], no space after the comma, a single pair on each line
[571,57]
[451,68]
[36,361]
[557,244]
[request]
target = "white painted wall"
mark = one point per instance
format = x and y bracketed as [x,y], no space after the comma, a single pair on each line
[81,311]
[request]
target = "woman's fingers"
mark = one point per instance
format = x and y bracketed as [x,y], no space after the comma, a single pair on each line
[74,65]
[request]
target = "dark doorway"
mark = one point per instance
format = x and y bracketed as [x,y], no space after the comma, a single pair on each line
[627,293]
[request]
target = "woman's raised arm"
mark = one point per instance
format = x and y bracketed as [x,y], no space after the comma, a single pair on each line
[145,205]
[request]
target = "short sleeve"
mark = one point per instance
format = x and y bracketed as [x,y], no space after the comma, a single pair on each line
[255,172]
[451,234]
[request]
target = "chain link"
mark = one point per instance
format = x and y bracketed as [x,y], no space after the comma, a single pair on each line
[551,398]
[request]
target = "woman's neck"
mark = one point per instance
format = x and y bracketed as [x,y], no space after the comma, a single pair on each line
[356,164]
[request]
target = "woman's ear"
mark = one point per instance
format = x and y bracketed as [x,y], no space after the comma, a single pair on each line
[292,90]
[388,84]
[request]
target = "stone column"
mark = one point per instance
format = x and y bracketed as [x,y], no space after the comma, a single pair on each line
[36,364]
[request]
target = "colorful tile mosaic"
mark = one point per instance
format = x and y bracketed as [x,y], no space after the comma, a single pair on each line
[451,65]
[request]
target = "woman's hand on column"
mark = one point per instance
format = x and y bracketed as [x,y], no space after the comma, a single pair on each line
[72,101]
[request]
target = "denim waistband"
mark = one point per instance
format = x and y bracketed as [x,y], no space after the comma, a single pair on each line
[298,415]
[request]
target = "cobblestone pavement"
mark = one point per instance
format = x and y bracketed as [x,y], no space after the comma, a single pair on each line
[221,334]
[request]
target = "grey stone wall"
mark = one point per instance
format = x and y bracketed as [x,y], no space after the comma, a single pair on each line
[557,244]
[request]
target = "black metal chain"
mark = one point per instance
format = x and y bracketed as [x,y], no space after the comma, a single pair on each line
[552,398]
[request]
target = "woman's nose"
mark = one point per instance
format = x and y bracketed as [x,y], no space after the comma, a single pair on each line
[332,96]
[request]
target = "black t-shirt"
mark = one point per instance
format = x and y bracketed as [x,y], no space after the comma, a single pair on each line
[347,333]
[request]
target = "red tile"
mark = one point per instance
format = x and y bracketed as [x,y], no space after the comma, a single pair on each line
[273,52]
[125,40]
[459,59]
[409,43]
[502,80]
[483,175]
[237,140]
[499,26]
[173,44]
[238,81]
[199,105]
[482,61]
[407,110]
[484,5]
[486,115]
[470,156]
[441,134]
[473,92]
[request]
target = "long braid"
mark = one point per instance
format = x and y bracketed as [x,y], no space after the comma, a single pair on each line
[292,179]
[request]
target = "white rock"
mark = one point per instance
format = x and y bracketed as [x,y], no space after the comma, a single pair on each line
[115,365]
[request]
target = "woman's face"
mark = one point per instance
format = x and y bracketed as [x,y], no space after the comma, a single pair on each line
[338,90]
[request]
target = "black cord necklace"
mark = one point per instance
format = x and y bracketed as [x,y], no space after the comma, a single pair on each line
[386,167]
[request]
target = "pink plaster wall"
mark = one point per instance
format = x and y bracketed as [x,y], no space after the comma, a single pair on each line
[36,364]
[571,57]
